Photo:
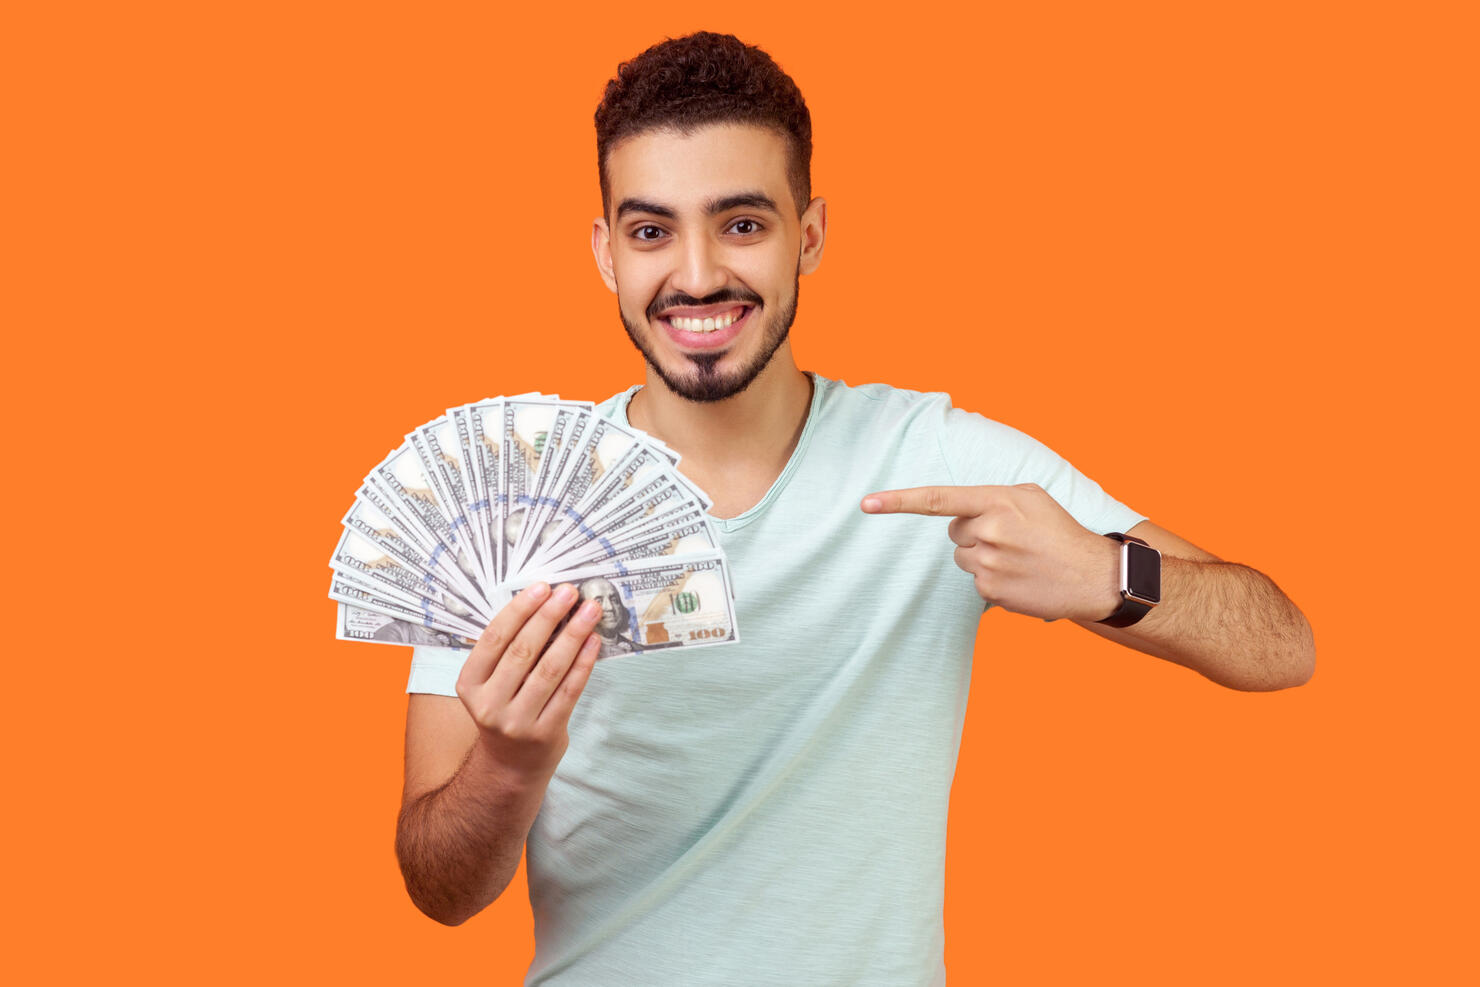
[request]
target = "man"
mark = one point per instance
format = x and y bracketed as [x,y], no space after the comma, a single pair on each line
[773,812]
[614,617]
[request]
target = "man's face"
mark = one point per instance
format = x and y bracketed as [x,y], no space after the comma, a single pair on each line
[704,248]
[613,611]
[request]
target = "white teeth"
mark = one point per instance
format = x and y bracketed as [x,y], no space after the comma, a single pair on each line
[705,325]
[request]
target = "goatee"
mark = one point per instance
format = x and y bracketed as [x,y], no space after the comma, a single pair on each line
[703,382]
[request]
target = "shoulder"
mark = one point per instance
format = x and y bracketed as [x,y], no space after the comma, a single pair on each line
[879,405]
[885,406]
[927,426]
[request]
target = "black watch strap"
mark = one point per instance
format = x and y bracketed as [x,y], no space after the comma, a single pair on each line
[1127,613]
[1129,610]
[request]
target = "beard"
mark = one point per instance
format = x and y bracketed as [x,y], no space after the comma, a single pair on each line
[701,380]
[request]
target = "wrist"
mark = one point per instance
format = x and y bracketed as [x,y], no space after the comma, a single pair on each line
[1138,582]
[1105,580]
[507,772]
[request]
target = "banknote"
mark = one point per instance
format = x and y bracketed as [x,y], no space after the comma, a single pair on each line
[440,449]
[349,587]
[475,505]
[676,538]
[484,421]
[526,427]
[407,493]
[622,502]
[383,531]
[654,604]
[564,435]
[604,444]
[358,624]
[449,561]
[609,503]
[345,589]
[673,514]
[494,494]
[361,558]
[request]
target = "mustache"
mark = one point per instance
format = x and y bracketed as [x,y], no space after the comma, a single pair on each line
[681,300]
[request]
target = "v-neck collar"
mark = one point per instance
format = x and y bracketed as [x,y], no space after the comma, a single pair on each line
[779,484]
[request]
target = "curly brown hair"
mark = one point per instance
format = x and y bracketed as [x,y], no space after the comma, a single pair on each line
[705,78]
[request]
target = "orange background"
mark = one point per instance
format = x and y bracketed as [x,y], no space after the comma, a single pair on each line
[251,245]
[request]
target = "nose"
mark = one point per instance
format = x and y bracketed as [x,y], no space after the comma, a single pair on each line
[700,270]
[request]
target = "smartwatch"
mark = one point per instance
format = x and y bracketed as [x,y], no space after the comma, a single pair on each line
[1140,580]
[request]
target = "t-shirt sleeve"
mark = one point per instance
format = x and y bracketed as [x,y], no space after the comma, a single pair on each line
[980,451]
[435,670]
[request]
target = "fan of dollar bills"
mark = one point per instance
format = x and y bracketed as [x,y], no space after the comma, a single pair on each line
[496,495]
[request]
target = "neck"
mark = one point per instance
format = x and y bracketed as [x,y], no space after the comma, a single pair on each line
[756,429]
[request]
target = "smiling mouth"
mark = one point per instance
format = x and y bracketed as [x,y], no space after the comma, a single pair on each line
[707,322]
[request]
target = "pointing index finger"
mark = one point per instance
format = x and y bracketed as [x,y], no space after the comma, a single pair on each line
[930,501]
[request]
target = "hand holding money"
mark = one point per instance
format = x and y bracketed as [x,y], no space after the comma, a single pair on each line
[1024,551]
[519,689]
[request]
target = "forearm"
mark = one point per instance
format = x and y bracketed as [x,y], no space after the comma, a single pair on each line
[459,845]
[1229,623]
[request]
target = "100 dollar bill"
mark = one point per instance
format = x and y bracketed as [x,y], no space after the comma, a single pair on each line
[345,588]
[654,604]
[358,624]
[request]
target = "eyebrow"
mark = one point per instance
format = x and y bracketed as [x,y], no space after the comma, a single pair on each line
[643,205]
[713,207]
[740,200]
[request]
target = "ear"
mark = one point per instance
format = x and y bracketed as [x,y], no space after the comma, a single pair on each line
[814,235]
[601,246]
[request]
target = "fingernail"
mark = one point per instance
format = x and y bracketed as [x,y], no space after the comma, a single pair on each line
[565,593]
[589,610]
[871,504]
[538,591]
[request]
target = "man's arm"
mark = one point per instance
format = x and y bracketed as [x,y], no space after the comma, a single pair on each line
[1223,620]
[477,766]
[461,829]
[1028,555]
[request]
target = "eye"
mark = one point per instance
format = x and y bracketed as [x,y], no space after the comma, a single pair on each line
[745,227]
[648,232]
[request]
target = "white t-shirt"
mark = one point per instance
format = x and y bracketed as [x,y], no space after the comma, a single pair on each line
[774,811]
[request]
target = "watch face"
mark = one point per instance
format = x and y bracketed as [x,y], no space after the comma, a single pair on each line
[1143,572]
